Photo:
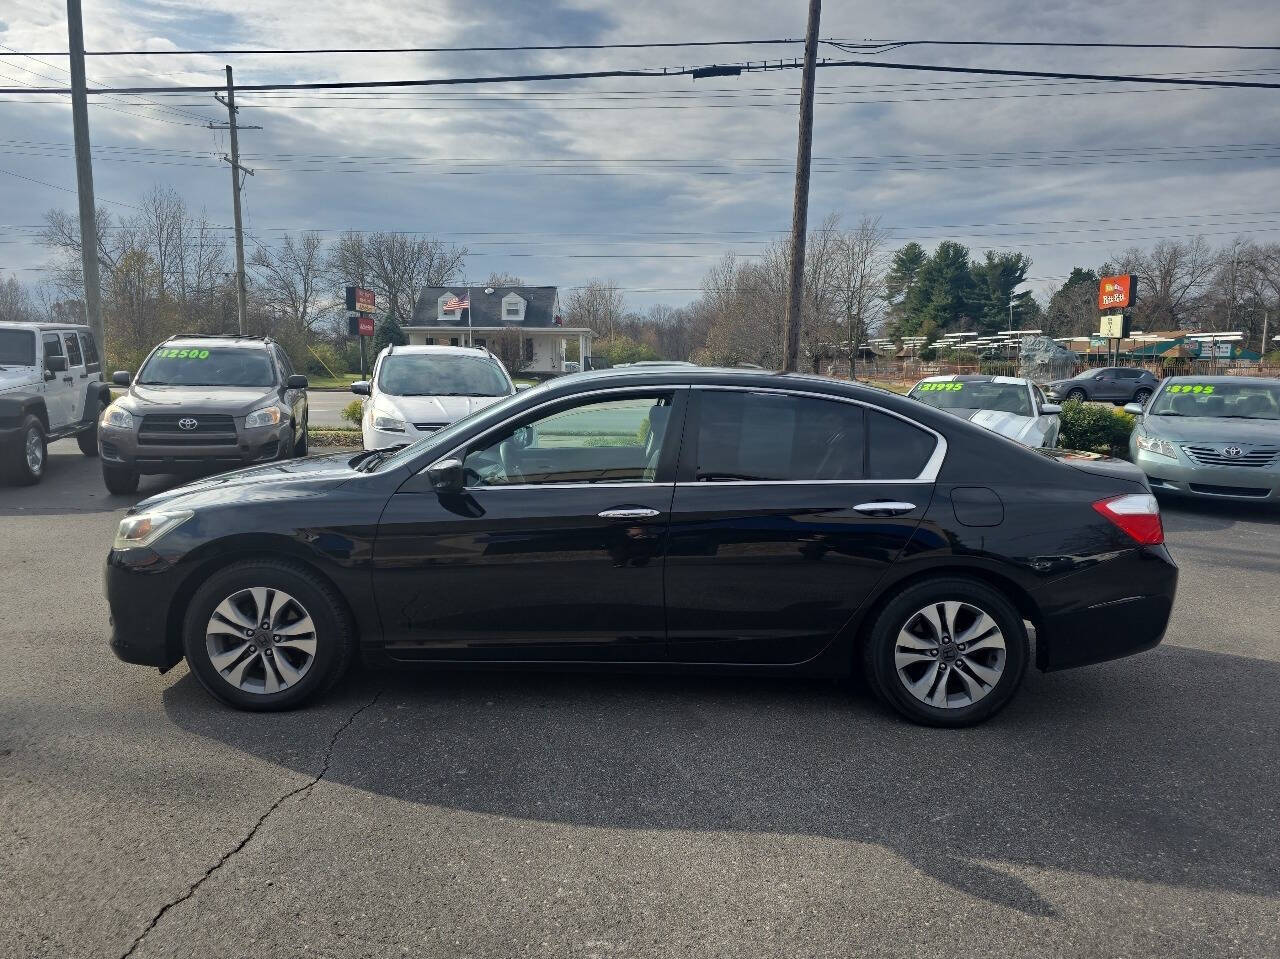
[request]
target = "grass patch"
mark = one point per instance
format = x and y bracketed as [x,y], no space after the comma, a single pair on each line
[332,382]
[334,438]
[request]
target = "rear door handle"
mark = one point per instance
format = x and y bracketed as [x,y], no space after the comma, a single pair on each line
[884,508]
[630,513]
[67,379]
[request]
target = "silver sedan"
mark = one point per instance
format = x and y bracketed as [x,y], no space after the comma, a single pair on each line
[1211,436]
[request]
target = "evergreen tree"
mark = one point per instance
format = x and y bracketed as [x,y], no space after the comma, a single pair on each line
[388,333]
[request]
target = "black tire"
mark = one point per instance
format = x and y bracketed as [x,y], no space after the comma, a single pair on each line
[120,480]
[881,647]
[334,634]
[1078,395]
[300,444]
[20,469]
[87,440]
[1142,395]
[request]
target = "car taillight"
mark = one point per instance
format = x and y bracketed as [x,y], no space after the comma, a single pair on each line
[1138,514]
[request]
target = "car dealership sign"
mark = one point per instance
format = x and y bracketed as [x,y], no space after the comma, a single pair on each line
[1116,293]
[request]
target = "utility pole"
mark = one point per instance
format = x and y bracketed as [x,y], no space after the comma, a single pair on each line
[84,179]
[800,207]
[236,181]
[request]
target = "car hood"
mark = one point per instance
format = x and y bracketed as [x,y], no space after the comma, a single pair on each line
[1212,429]
[19,377]
[437,409]
[235,400]
[285,479]
[1024,429]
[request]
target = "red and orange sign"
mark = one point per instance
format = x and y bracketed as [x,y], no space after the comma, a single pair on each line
[359,300]
[366,325]
[1116,292]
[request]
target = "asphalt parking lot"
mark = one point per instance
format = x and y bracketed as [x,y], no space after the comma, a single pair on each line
[1131,808]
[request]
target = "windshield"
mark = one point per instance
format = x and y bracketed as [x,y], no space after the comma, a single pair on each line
[1253,401]
[1005,397]
[443,439]
[441,374]
[17,348]
[216,366]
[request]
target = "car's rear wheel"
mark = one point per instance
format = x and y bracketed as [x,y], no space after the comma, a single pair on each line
[120,480]
[1141,396]
[947,652]
[28,457]
[267,635]
[1078,395]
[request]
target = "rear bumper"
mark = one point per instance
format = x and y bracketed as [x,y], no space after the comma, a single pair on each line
[1117,608]
[1244,484]
[140,588]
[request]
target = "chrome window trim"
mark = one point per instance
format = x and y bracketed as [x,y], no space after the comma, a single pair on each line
[635,389]
[929,474]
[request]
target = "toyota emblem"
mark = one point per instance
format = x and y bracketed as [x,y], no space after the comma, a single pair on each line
[188,423]
[1232,451]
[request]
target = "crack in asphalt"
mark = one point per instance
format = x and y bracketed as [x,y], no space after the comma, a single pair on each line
[226,857]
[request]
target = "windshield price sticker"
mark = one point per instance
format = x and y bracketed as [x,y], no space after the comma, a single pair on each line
[171,354]
[926,387]
[1189,388]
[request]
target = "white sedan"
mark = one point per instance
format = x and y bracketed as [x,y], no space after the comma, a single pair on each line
[1009,405]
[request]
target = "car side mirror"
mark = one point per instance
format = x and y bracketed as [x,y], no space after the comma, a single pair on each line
[1134,408]
[521,387]
[296,382]
[446,475]
[55,364]
[1050,409]
[121,378]
[360,387]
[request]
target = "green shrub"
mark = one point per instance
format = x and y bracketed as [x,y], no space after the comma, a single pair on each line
[353,412]
[1095,428]
[323,360]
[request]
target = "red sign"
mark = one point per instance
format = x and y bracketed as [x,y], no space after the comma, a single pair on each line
[1116,292]
[359,300]
[366,324]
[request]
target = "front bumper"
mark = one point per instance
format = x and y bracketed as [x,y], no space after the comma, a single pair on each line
[1115,608]
[140,588]
[122,448]
[1251,484]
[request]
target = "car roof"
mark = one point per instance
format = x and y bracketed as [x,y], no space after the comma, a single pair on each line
[1225,380]
[415,348]
[976,378]
[207,342]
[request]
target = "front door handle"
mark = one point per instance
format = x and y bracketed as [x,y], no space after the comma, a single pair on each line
[629,513]
[884,508]
[67,379]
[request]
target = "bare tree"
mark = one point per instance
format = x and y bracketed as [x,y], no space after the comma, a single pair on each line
[508,346]
[1173,277]
[503,279]
[291,280]
[862,264]
[395,266]
[599,306]
[15,303]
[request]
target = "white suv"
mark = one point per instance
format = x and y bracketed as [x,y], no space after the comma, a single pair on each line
[416,390]
[50,387]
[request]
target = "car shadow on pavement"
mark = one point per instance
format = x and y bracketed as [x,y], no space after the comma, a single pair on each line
[1153,769]
[1184,513]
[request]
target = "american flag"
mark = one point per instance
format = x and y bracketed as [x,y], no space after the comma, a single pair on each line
[458,304]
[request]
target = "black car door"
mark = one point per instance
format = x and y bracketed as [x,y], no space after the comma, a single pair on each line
[790,507]
[553,550]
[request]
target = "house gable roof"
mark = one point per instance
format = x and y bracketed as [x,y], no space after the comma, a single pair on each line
[486,308]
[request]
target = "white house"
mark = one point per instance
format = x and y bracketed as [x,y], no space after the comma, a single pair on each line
[532,311]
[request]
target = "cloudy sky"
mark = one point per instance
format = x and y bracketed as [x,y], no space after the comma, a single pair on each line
[649,181]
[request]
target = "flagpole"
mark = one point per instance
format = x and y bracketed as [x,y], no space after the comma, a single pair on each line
[471,339]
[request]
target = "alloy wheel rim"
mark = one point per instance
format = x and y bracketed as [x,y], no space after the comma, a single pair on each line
[261,640]
[950,654]
[35,451]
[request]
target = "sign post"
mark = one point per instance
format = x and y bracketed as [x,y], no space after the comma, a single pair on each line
[1116,294]
[360,306]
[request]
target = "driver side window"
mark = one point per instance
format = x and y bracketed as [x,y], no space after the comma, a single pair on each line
[599,441]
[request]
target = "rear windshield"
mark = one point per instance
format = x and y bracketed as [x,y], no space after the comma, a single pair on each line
[1249,401]
[1005,397]
[441,374]
[212,366]
[17,348]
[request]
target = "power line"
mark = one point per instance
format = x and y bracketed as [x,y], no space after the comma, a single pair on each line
[695,72]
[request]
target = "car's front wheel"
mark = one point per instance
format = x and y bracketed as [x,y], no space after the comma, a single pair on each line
[1077,394]
[27,460]
[267,635]
[119,480]
[947,652]
[1142,395]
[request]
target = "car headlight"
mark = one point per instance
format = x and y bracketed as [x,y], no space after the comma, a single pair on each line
[388,424]
[1154,444]
[146,528]
[267,416]
[117,417]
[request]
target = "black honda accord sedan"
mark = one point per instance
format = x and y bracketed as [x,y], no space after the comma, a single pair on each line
[678,518]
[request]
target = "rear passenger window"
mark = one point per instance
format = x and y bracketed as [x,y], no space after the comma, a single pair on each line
[897,450]
[52,345]
[90,352]
[772,436]
[73,351]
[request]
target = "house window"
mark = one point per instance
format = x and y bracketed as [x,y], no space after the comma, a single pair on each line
[513,307]
[453,341]
[480,342]
[431,341]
